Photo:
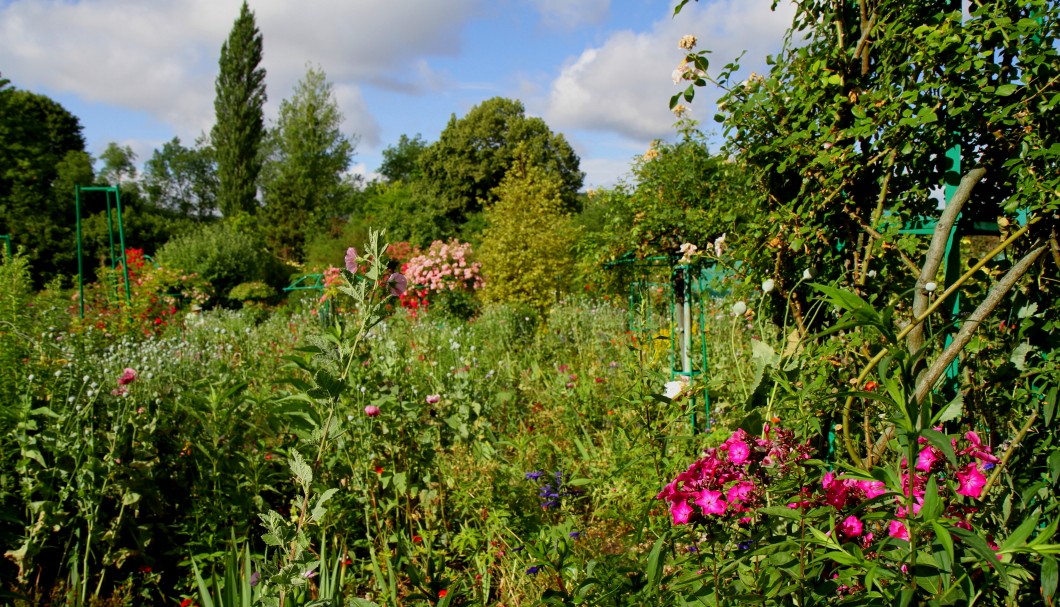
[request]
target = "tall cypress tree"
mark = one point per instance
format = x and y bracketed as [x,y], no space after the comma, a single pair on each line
[240,126]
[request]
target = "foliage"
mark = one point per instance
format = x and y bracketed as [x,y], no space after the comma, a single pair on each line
[406,210]
[305,174]
[223,256]
[42,158]
[182,180]
[685,194]
[401,161]
[474,153]
[525,250]
[848,134]
[119,165]
[237,135]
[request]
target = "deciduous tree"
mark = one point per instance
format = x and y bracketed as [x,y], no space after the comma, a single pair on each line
[474,153]
[305,178]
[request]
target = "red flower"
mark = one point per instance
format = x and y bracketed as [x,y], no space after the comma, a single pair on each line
[186,603]
[378,469]
[416,539]
[442,593]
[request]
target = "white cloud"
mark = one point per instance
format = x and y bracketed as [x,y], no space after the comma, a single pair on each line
[160,57]
[623,85]
[571,14]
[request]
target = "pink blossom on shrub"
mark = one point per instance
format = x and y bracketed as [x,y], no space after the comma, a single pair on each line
[445,266]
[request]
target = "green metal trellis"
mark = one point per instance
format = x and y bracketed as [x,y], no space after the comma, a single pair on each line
[112,194]
[312,282]
[661,288]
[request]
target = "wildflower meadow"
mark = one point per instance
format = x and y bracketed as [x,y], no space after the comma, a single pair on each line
[816,367]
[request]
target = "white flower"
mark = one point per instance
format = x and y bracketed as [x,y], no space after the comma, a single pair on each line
[680,110]
[739,308]
[931,286]
[768,285]
[807,274]
[687,42]
[719,245]
[673,389]
[871,273]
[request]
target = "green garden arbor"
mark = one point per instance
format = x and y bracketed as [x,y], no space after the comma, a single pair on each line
[113,200]
[666,298]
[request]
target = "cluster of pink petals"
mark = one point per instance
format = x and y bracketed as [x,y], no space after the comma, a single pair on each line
[729,478]
[842,493]
[445,267]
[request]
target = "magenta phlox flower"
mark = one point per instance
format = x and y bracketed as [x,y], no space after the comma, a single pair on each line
[872,489]
[739,451]
[836,491]
[851,526]
[681,511]
[977,449]
[712,502]
[970,481]
[740,492]
[927,458]
[898,530]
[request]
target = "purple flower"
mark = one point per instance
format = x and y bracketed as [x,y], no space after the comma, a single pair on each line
[371,410]
[351,260]
[533,570]
[575,534]
[398,284]
[533,476]
[433,399]
[255,578]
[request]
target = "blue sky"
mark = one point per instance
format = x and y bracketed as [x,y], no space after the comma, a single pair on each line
[139,72]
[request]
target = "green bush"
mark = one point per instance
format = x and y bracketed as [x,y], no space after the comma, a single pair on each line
[224,256]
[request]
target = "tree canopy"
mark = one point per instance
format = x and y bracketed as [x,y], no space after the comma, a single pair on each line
[305,178]
[473,154]
[42,158]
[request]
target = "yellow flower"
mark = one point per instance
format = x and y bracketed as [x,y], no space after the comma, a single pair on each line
[687,42]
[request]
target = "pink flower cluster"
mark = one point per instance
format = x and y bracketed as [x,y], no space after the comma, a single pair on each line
[445,267]
[731,478]
[841,492]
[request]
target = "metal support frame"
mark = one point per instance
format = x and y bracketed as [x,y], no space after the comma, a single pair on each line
[658,281]
[114,259]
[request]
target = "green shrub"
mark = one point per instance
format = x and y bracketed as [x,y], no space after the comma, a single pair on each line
[225,257]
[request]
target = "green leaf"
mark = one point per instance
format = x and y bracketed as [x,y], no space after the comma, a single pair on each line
[1048,578]
[1006,89]
[1019,356]
[1020,535]
[944,537]
[655,563]
[303,474]
[953,409]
